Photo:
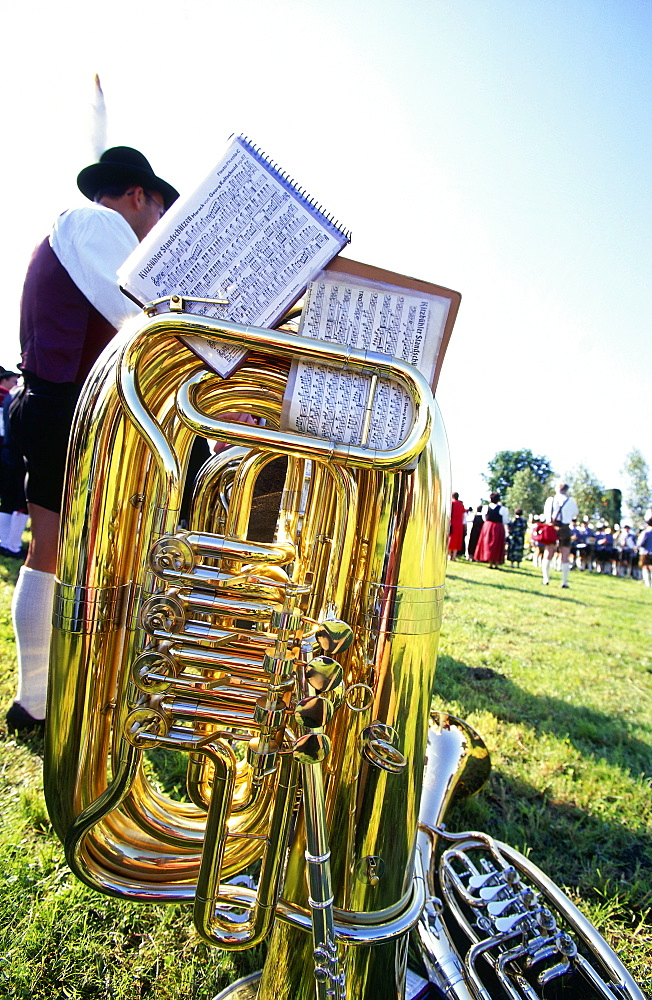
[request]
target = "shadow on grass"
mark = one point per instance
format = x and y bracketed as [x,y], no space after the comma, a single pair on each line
[547,593]
[636,596]
[573,847]
[641,600]
[601,735]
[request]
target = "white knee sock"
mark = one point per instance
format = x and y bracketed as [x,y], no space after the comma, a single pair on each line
[646,575]
[31,612]
[545,569]
[5,528]
[15,539]
[565,570]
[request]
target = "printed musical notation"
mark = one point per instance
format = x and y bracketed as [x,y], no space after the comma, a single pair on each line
[395,321]
[400,322]
[332,404]
[247,235]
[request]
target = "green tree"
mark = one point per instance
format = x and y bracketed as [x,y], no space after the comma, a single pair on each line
[611,506]
[588,493]
[527,491]
[505,464]
[639,492]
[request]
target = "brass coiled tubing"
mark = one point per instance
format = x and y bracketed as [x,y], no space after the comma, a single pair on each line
[294,673]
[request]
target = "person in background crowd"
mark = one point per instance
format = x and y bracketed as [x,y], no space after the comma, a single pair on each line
[536,541]
[13,505]
[7,382]
[456,534]
[578,543]
[604,549]
[559,510]
[474,533]
[589,537]
[598,542]
[468,521]
[644,543]
[70,310]
[468,524]
[516,538]
[491,543]
[626,543]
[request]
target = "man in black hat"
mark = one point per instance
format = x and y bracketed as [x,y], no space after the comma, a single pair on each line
[70,310]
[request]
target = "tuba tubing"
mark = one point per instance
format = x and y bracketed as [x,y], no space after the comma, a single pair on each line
[295,678]
[287,346]
[458,765]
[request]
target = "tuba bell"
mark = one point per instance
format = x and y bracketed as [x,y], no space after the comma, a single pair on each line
[293,673]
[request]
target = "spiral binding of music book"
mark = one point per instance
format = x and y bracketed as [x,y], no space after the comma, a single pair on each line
[300,193]
[248,234]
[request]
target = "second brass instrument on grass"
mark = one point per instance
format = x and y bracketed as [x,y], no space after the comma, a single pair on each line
[295,674]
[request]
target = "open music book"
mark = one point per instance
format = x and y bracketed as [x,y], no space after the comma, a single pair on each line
[247,234]
[368,308]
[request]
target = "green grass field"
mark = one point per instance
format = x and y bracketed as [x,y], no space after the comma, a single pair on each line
[558,682]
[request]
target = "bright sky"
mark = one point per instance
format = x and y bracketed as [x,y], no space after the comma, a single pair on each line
[499,147]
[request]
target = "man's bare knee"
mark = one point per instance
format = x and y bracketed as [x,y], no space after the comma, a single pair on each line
[43,546]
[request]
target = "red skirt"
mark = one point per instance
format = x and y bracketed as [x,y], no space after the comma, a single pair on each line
[456,538]
[491,543]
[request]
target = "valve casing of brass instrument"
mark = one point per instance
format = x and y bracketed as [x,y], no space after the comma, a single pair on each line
[293,667]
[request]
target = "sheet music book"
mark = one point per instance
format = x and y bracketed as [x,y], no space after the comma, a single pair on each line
[371,309]
[247,234]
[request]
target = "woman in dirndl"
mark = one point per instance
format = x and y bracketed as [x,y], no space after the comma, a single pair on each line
[491,543]
[516,538]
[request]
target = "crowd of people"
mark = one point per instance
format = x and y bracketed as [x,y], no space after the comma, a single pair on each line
[556,539]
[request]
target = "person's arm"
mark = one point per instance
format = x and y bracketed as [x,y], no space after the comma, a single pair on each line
[91,244]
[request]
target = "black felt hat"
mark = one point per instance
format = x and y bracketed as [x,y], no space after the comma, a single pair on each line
[123,165]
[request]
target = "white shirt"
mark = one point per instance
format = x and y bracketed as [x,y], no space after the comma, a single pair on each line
[92,243]
[560,508]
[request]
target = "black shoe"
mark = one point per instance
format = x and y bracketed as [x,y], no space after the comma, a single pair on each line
[565,586]
[20,721]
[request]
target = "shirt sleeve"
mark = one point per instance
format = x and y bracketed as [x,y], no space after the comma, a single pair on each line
[547,509]
[91,244]
[505,515]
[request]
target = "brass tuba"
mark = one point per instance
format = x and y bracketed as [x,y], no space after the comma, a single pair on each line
[294,672]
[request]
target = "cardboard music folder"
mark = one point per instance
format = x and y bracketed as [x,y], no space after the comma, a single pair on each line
[393,280]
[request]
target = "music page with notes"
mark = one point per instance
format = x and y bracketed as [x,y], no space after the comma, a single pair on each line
[248,234]
[402,318]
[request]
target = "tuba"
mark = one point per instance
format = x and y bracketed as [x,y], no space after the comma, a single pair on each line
[288,659]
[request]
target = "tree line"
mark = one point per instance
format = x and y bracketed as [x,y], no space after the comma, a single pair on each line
[525,480]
